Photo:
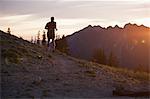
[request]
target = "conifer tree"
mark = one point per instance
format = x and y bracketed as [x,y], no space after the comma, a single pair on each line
[112,60]
[44,38]
[8,31]
[99,56]
[62,45]
[31,39]
[38,38]
[35,40]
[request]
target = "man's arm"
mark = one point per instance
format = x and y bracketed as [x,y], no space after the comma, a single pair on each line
[55,26]
[46,27]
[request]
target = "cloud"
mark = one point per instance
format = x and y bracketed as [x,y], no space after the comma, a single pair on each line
[29,16]
[73,9]
[16,17]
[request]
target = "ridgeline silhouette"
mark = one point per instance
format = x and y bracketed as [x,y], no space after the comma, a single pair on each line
[130,44]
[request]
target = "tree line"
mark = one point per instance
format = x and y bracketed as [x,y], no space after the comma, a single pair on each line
[99,56]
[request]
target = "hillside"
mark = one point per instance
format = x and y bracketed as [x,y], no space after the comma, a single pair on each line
[32,71]
[130,44]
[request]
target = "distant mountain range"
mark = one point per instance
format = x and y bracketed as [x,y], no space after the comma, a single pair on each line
[131,44]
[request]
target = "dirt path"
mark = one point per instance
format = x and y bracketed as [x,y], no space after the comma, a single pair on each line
[64,64]
[75,83]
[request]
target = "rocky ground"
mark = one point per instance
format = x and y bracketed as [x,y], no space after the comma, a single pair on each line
[32,71]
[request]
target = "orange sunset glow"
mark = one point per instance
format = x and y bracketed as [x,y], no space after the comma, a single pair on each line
[26,18]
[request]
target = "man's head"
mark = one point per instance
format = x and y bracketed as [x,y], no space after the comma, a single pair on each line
[52,19]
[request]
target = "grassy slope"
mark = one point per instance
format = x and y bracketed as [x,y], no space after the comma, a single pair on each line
[30,70]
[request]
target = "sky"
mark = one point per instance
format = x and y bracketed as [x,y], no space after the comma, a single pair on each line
[26,17]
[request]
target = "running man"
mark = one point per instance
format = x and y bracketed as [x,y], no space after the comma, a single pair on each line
[51,27]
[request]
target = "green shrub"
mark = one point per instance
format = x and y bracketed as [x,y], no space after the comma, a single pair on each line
[3,42]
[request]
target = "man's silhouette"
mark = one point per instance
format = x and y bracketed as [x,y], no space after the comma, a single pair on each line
[51,27]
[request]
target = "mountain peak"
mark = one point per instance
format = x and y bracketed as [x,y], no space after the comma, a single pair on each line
[89,26]
[117,27]
[129,25]
[109,27]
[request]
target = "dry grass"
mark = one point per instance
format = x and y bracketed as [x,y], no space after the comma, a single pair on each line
[139,75]
[90,73]
[130,73]
[11,55]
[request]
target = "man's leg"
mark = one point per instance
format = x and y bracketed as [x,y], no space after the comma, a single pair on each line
[48,42]
[53,42]
[48,39]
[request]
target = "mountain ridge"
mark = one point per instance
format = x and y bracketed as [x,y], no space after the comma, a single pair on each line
[111,27]
[128,39]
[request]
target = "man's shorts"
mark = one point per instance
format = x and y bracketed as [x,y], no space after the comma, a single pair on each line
[51,34]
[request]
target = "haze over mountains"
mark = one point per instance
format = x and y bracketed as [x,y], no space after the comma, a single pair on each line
[131,44]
